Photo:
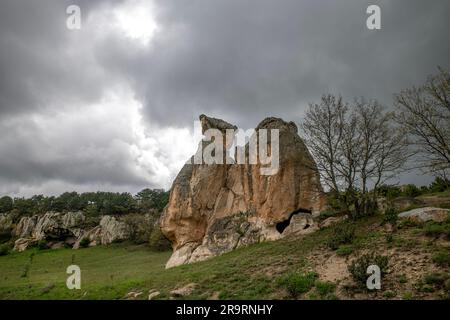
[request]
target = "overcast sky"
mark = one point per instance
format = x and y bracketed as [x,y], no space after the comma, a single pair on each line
[112,106]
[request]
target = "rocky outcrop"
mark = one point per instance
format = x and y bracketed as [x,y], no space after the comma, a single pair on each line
[216,208]
[60,229]
[56,227]
[426,214]
[108,231]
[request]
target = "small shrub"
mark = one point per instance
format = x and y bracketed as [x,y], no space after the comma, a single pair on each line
[433,229]
[158,241]
[358,268]
[402,279]
[442,259]
[344,250]
[389,238]
[408,296]
[408,223]
[326,214]
[84,243]
[390,216]
[411,190]
[342,234]
[5,249]
[325,288]
[42,244]
[436,279]
[389,294]
[297,283]
[447,284]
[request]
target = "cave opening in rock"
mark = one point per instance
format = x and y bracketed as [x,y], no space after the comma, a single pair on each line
[281,226]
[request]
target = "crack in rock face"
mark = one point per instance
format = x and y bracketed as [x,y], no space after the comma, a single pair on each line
[216,208]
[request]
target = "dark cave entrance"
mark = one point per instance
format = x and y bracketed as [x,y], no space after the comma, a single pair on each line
[281,226]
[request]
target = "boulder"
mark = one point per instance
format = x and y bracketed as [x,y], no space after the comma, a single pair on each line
[108,231]
[426,214]
[22,244]
[25,227]
[6,221]
[113,230]
[57,227]
[216,208]
[153,294]
[183,291]
[331,221]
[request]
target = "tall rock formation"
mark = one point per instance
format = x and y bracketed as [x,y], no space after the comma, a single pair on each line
[216,208]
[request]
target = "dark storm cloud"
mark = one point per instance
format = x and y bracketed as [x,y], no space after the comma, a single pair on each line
[244,60]
[41,62]
[240,60]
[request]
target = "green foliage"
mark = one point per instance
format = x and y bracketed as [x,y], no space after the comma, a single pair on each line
[42,244]
[152,199]
[84,243]
[5,249]
[390,216]
[436,279]
[411,190]
[141,227]
[325,288]
[439,185]
[389,191]
[402,279]
[6,204]
[297,283]
[408,223]
[389,294]
[326,214]
[92,203]
[344,250]
[433,229]
[158,241]
[358,268]
[343,233]
[442,259]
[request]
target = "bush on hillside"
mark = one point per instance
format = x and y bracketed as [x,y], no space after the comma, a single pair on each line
[358,268]
[343,233]
[158,241]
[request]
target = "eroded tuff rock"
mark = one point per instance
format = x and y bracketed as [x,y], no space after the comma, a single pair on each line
[426,214]
[61,229]
[219,207]
[108,231]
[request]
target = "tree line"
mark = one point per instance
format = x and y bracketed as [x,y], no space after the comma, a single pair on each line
[360,146]
[92,203]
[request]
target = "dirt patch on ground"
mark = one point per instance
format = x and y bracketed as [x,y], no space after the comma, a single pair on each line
[329,266]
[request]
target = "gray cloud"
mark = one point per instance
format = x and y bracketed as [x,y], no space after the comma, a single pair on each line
[248,59]
[240,60]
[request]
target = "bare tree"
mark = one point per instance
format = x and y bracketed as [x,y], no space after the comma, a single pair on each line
[356,146]
[425,116]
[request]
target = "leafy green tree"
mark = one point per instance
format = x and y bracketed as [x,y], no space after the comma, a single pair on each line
[6,204]
[148,199]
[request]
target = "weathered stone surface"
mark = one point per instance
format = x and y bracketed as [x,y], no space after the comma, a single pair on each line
[68,229]
[113,230]
[108,231]
[22,244]
[331,221]
[184,291]
[52,225]
[400,203]
[153,294]
[215,208]
[6,221]
[426,214]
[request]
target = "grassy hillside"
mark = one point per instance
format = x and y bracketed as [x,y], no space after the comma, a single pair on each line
[293,268]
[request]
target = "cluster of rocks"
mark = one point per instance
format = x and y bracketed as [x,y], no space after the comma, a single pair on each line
[64,229]
[216,208]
